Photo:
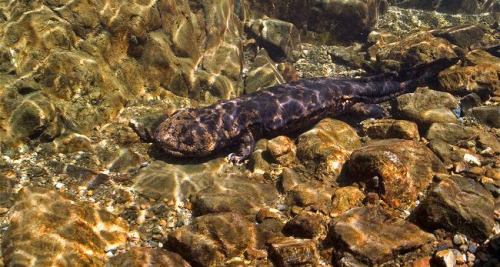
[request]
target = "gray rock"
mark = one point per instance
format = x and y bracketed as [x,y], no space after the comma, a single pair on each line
[262,73]
[451,133]
[280,38]
[461,35]
[489,115]
[426,107]
[373,236]
[457,204]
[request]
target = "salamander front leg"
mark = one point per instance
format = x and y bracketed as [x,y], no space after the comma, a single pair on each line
[245,148]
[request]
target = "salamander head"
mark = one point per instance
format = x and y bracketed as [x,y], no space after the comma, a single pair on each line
[183,135]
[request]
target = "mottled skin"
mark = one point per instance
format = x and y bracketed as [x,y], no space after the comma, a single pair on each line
[280,109]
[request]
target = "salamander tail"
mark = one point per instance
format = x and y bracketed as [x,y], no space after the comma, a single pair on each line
[423,73]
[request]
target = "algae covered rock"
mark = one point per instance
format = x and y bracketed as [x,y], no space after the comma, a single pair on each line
[84,232]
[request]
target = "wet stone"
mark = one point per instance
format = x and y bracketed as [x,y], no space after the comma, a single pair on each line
[461,35]
[469,101]
[457,204]
[324,149]
[126,160]
[262,73]
[344,199]
[306,225]
[84,233]
[289,252]
[235,195]
[72,142]
[451,133]
[283,150]
[145,257]
[207,185]
[481,79]
[477,57]
[446,258]
[213,238]
[416,48]
[373,236]
[279,37]
[488,115]
[33,116]
[316,196]
[396,169]
[425,107]
[389,128]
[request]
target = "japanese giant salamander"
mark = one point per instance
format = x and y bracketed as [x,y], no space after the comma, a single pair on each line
[281,109]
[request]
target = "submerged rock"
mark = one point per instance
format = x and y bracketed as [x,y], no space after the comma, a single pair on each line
[396,169]
[457,204]
[289,252]
[389,128]
[325,148]
[213,239]
[262,73]
[426,107]
[417,48]
[373,236]
[481,79]
[145,257]
[325,21]
[84,233]
[488,115]
[279,37]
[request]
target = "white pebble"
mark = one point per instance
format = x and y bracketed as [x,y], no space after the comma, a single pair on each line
[471,159]
[109,254]
[59,185]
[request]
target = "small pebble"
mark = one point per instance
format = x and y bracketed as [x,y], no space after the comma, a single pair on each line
[90,193]
[109,254]
[471,159]
[459,239]
[446,258]
[472,248]
[59,185]
[3,211]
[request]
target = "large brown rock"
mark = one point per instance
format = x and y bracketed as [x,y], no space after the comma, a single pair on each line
[213,238]
[206,185]
[288,252]
[481,79]
[389,128]
[396,169]
[416,48]
[47,228]
[373,236]
[457,204]
[325,148]
[426,107]
[146,257]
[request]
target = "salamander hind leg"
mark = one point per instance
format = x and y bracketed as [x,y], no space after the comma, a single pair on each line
[245,148]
